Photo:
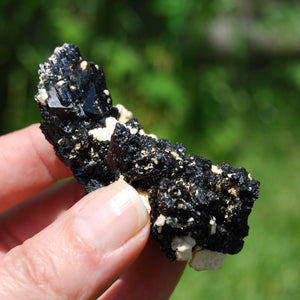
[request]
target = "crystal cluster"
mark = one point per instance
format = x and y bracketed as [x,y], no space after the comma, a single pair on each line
[198,211]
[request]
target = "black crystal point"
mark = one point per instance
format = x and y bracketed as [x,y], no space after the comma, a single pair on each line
[74,86]
[101,143]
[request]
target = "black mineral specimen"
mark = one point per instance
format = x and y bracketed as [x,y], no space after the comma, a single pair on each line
[192,201]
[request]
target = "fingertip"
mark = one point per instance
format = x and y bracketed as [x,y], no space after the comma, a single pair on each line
[119,210]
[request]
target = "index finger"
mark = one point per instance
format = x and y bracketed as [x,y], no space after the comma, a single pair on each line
[28,165]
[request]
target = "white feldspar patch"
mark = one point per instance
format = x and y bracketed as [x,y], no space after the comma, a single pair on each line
[110,123]
[213,225]
[191,219]
[83,65]
[145,197]
[125,115]
[183,245]
[53,58]
[232,191]
[160,222]
[100,134]
[216,169]
[204,259]
[57,50]
[104,133]
[152,135]
[176,155]
[133,130]
[60,83]
[42,96]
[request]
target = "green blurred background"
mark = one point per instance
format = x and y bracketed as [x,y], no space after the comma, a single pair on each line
[222,77]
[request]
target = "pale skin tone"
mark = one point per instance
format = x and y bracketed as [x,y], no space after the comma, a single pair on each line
[56,243]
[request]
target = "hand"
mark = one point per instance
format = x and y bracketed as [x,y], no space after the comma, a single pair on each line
[57,244]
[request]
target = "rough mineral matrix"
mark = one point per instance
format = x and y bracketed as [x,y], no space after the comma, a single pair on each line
[198,211]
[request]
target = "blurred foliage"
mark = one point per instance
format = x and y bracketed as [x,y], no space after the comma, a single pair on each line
[222,77]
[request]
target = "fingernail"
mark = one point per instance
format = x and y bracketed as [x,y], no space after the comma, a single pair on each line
[110,216]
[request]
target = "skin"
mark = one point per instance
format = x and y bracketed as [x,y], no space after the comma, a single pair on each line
[45,254]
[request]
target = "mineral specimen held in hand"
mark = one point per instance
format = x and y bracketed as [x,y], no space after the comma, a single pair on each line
[198,211]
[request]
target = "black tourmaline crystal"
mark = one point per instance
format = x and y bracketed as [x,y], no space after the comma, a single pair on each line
[194,204]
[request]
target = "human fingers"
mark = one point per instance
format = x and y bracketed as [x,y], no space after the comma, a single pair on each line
[151,276]
[83,252]
[28,165]
[29,217]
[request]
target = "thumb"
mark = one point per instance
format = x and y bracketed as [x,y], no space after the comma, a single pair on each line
[83,252]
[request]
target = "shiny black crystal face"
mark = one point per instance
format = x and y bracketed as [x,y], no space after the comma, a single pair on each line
[74,87]
[188,195]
